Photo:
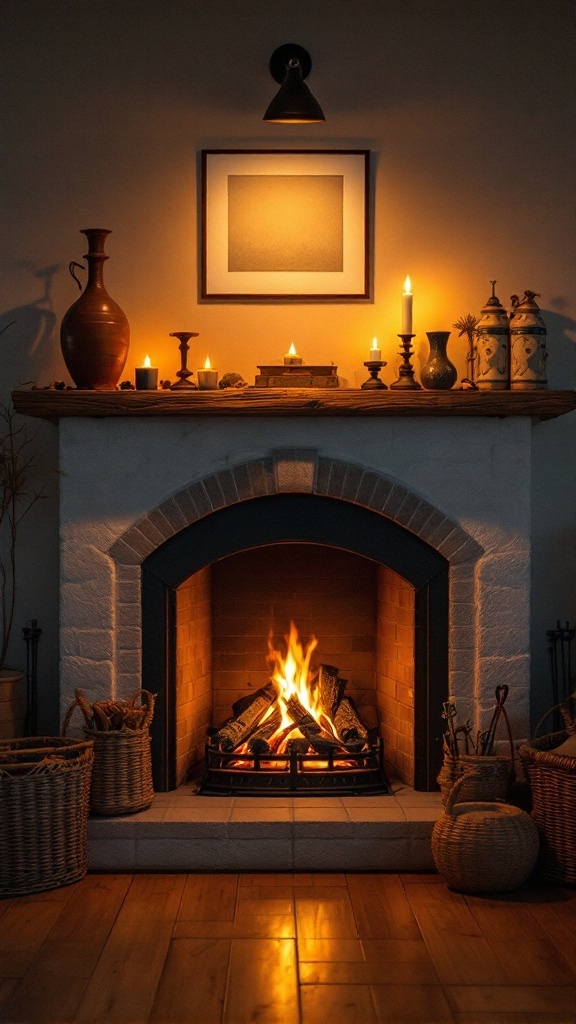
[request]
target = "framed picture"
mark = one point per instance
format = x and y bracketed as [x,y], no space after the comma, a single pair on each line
[285,224]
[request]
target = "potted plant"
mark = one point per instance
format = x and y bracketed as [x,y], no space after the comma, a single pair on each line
[17,496]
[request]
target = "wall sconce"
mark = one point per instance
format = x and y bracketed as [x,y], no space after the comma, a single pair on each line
[290,64]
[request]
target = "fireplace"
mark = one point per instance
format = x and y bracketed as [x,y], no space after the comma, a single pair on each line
[374,594]
[162,516]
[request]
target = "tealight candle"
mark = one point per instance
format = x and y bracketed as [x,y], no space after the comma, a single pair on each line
[208,377]
[146,376]
[292,358]
[375,353]
[407,307]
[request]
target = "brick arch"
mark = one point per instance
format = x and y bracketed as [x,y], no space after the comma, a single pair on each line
[299,471]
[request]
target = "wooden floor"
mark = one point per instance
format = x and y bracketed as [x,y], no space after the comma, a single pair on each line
[286,949]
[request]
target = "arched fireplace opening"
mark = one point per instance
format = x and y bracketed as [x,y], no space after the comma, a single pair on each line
[373,593]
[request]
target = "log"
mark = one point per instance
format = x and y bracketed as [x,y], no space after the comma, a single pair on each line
[239,729]
[240,705]
[300,716]
[299,744]
[348,725]
[258,742]
[330,689]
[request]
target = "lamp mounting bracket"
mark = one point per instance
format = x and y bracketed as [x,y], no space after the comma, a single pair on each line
[283,54]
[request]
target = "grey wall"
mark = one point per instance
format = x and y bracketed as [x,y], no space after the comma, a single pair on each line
[469,110]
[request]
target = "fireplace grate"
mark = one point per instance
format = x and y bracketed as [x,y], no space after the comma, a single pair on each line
[233,774]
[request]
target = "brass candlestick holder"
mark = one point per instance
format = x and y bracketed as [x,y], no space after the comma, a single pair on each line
[374,383]
[406,380]
[184,373]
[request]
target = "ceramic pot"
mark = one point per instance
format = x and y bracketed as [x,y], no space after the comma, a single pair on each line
[438,373]
[12,703]
[95,334]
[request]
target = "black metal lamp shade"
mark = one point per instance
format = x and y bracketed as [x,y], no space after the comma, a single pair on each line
[293,103]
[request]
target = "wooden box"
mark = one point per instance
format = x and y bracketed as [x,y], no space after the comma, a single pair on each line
[297,377]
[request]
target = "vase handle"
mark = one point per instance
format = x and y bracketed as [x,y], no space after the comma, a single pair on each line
[71,271]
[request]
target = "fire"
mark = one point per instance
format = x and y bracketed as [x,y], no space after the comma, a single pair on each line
[292,675]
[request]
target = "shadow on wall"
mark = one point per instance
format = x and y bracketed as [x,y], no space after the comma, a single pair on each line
[27,349]
[561,346]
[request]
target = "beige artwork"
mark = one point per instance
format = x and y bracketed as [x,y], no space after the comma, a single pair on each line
[285,222]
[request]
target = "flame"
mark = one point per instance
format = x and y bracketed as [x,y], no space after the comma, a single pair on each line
[292,350]
[207,364]
[407,286]
[374,342]
[147,362]
[292,675]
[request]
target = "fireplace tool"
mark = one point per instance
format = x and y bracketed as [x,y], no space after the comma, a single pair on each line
[560,655]
[31,637]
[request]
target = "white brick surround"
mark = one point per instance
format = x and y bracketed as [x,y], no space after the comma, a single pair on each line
[463,485]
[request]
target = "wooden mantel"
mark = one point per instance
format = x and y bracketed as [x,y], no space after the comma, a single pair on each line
[52,405]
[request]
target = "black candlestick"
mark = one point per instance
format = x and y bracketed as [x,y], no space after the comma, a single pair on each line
[374,383]
[406,379]
[183,373]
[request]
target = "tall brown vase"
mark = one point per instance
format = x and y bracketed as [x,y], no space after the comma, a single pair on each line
[95,333]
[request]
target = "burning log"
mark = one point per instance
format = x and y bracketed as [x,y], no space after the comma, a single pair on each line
[233,733]
[330,689]
[258,742]
[302,718]
[348,725]
[240,705]
[298,744]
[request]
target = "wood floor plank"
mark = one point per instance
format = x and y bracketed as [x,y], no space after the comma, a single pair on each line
[522,947]
[381,907]
[25,926]
[324,913]
[458,948]
[411,1004]
[262,983]
[372,972]
[7,988]
[329,950]
[56,979]
[337,1004]
[209,898]
[131,963]
[554,910]
[515,1018]
[497,999]
[193,982]
[396,951]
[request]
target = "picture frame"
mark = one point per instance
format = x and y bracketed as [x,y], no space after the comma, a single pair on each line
[285,225]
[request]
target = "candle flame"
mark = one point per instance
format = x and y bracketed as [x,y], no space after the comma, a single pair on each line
[292,350]
[374,342]
[407,286]
[147,362]
[207,364]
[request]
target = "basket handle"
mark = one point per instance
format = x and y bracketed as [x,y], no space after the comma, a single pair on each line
[557,707]
[453,794]
[150,702]
[80,702]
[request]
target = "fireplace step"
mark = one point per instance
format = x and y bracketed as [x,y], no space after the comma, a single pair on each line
[186,832]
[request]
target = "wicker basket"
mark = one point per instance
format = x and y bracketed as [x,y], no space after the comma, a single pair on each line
[552,779]
[484,847]
[122,774]
[44,790]
[485,777]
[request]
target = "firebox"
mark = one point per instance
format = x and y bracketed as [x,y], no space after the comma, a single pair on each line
[369,604]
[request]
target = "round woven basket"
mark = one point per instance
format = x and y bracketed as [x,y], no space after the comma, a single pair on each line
[44,797]
[122,776]
[484,847]
[552,779]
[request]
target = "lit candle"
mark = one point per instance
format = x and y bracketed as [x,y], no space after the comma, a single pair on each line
[292,358]
[407,307]
[208,377]
[375,353]
[146,376]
